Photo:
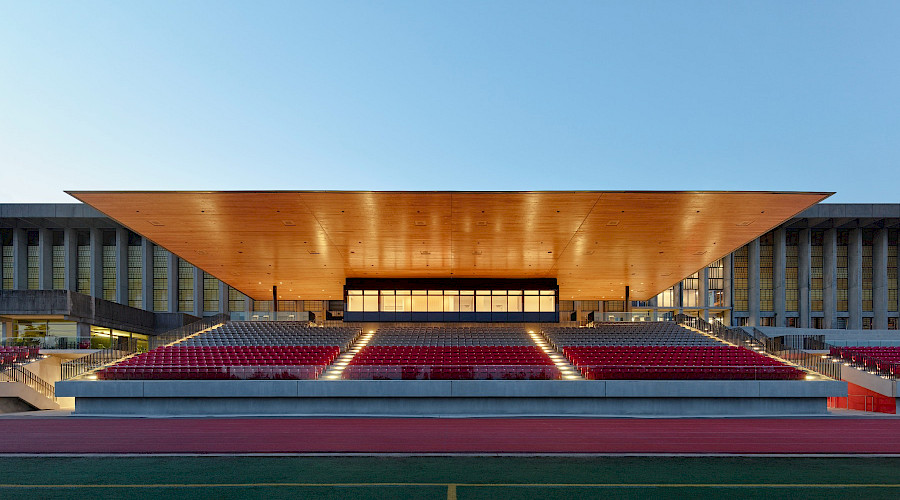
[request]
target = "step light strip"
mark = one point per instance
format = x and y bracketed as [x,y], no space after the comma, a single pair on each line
[567,371]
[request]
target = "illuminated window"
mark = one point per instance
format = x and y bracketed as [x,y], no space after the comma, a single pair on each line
[354,300]
[419,301]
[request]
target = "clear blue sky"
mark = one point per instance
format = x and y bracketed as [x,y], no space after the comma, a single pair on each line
[783,95]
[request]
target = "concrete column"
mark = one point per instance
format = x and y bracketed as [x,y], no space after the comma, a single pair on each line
[198,292]
[223,297]
[704,292]
[45,250]
[829,277]
[96,262]
[880,279]
[6,329]
[83,333]
[20,259]
[779,262]
[122,266]
[804,267]
[726,275]
[71,245]
[854,283]
[146,274]
[753,282]
[654,303]
[173,282]
[679,303]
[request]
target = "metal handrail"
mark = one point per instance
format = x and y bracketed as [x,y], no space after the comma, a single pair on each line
[181,333]
[18,373]
[113,354]
[885,369]
[75,367]
[758,341]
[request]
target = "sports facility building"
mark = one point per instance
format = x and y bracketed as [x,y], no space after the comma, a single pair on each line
[579,302]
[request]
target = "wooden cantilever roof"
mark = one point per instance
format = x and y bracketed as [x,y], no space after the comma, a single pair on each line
[307,242]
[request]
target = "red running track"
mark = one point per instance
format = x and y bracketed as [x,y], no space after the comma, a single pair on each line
[435,435]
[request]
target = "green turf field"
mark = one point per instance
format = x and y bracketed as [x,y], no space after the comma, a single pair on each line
[492,478]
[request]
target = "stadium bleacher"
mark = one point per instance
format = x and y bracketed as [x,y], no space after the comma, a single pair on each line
[881,358]
[454,353]
[240,350]
[661,351]
[287,350]
[17,354]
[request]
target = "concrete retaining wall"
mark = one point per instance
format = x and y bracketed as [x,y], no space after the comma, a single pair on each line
[445,397]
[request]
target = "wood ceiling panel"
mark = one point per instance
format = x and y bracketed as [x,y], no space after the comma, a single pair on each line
[595,243]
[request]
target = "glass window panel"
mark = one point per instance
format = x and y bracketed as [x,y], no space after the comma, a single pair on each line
[514,303]
[387,292]
[548,303]
[499,303]
[402,292]
[482,292]
[451,303]
[354,303]
[466,303]
[435,292]
[370,292]
[483,303]
[404,303]
[467,292]
[354,292]
[419,292]
[436,302]
[531,292]
[419,303]
[370,303]
[532,303]
[387,303]
[499,292]
[451,292]
[548,292]
[514,292]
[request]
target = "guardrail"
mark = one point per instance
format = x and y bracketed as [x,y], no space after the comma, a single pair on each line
[758,341]
[80,366]
[17,373]
[849,357]
[185,331]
